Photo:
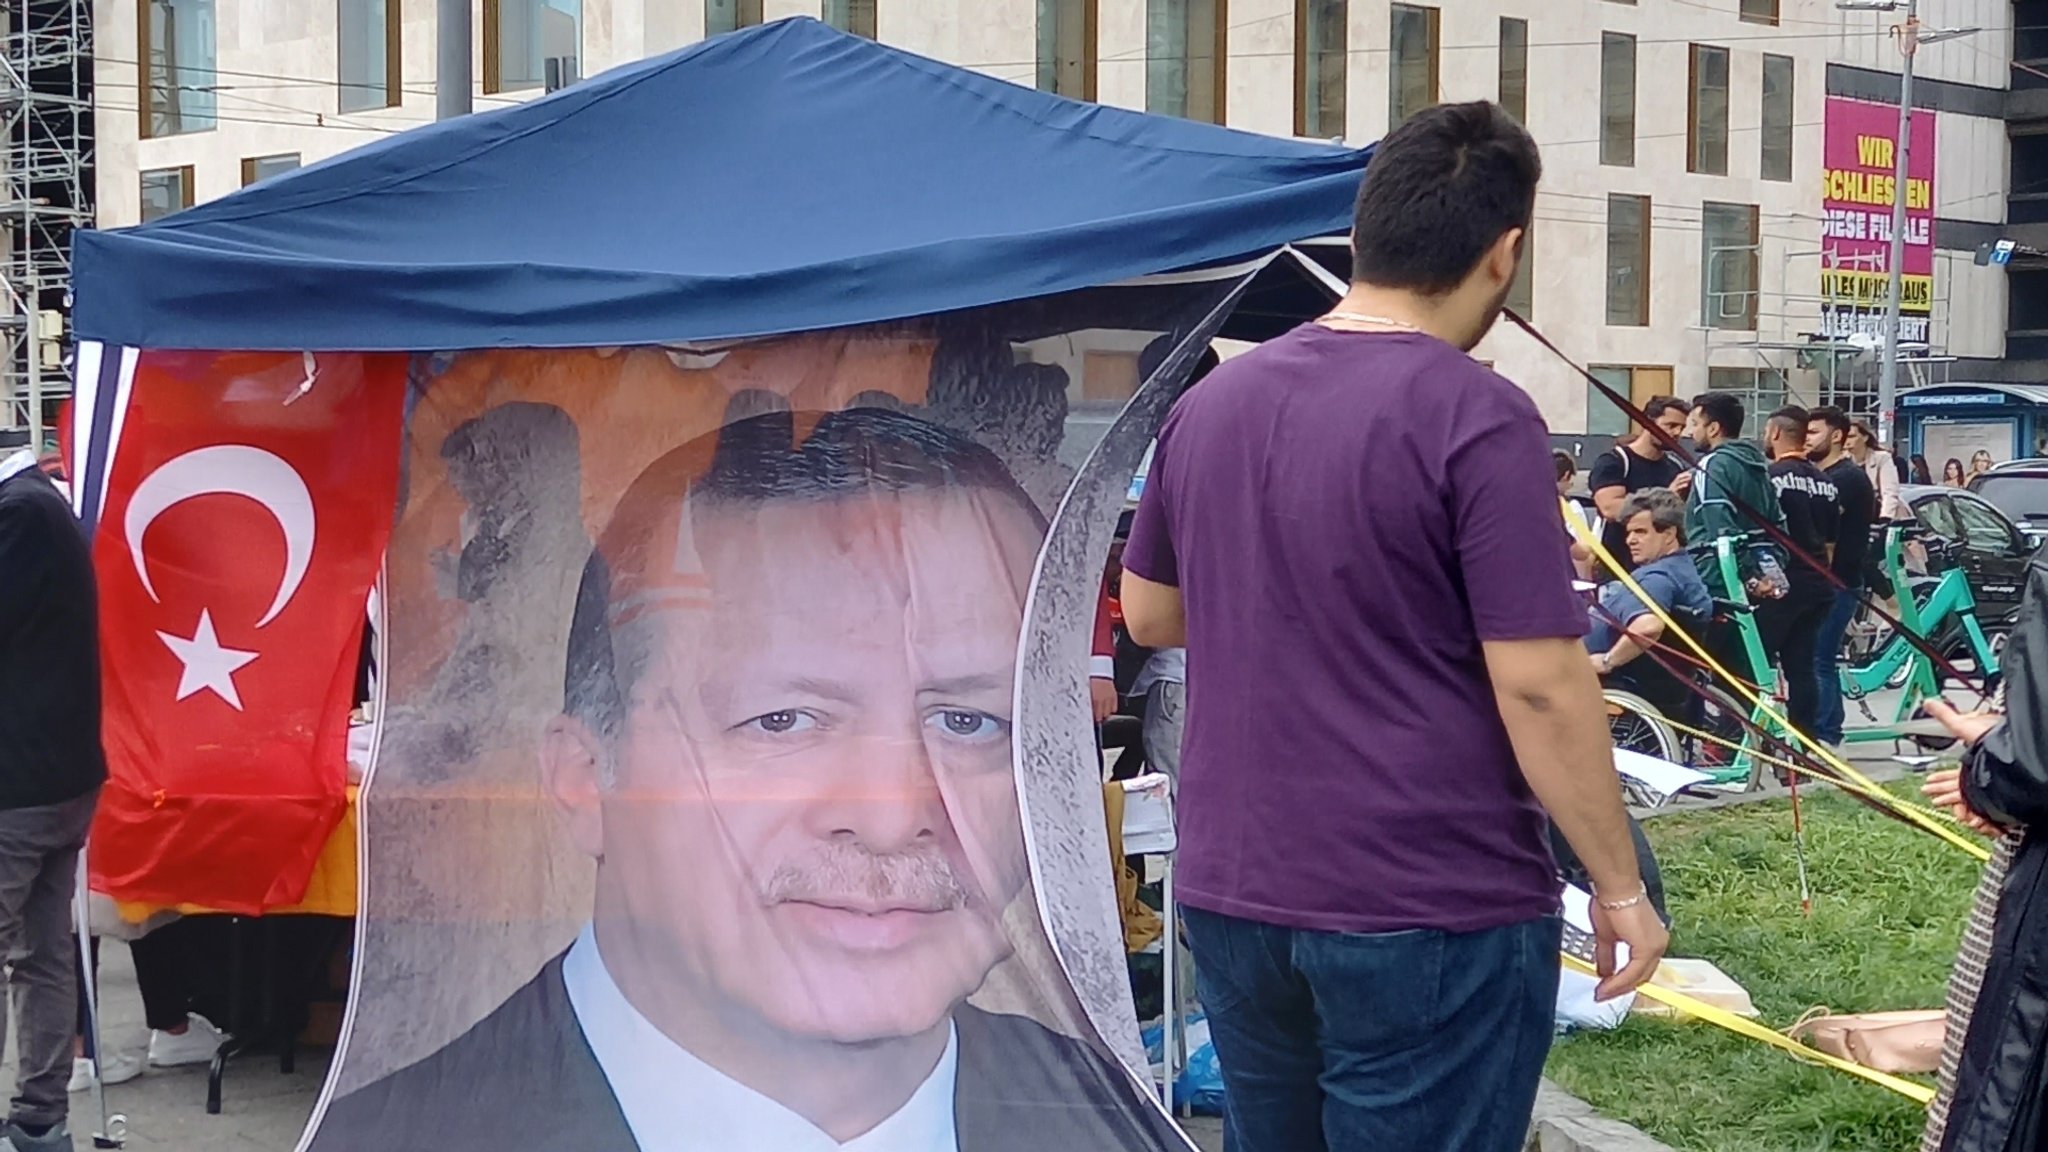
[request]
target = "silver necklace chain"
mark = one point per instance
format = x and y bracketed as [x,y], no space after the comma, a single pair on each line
[1363,318]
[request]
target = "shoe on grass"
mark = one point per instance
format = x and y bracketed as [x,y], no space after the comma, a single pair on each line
[195,1045]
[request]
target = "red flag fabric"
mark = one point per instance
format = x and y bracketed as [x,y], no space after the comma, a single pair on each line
[64,437]
[245,519]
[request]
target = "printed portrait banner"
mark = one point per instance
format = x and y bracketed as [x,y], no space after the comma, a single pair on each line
[735,775]
[245,512]
[1859,189]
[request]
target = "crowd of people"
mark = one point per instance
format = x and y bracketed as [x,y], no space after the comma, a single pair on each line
[1804,582]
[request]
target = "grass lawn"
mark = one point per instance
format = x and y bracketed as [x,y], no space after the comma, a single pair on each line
[1889,906]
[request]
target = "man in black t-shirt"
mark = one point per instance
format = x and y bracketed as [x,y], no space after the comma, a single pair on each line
[1827,436]
[1626,469]
[1811,503]
[51,767]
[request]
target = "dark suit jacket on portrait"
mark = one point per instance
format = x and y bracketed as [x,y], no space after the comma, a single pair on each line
[525,1078]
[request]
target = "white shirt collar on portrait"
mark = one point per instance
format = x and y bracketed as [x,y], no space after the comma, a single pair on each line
[675,1102]
[14,463]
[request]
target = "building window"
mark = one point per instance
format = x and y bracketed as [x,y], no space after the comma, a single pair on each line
[1728,259]
[176,93]
[1762,390]
[1514,67]
[256,168]
[855,16]
[1321,32]
[1707,125]
[1618,99]
[368,52]
[1414,44]
[1640,383]
[1628,260]
[1522,289]
[1185,58]
[532,44]
[1760,11]
[164,191]
[1777,120]
[730,15]
[1066,47]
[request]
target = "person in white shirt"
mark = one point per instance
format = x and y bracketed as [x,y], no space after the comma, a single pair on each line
[1163,683]
[786,741]
[1879,466]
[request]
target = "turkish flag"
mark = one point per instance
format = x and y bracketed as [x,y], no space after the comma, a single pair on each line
[245,520]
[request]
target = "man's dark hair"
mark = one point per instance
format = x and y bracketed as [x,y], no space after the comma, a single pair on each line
[1791,420]
[1439,192]
[1722,408]
[1565,464]
[851,453]
[1659,405]
[1836,419]
[1667,511]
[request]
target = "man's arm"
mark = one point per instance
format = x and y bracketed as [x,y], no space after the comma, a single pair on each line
[1609,500]
[1152,613]
[1550,703]
[1640,636]
[1102,661]
[1608,485]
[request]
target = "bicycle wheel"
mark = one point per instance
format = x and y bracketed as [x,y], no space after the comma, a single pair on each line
[1637,725]
[1722,748]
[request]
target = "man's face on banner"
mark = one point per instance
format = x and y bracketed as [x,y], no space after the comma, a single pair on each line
[808,817]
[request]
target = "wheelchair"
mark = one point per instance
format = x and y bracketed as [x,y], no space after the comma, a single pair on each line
[1682,715]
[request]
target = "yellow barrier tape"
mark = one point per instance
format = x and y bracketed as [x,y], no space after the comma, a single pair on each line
[1926,819]
[1721,1017]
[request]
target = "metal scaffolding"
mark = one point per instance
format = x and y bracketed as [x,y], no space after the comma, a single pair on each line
[46,189]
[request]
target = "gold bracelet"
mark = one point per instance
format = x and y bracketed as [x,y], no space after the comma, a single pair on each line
[1624,905]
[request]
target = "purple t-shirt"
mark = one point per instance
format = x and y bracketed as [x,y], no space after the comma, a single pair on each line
[1347,515]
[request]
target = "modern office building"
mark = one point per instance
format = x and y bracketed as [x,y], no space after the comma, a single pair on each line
[1682,238]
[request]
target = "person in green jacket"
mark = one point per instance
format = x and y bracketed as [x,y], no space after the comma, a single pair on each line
[1732,474]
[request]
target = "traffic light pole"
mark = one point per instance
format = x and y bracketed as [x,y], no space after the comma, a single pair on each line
[1888,374]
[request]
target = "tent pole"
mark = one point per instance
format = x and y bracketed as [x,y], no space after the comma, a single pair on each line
[451,73]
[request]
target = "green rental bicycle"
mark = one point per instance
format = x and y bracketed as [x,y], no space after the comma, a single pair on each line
[1942,611]
[1696,721]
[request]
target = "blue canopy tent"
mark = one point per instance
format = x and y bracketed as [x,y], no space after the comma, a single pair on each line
[786,178]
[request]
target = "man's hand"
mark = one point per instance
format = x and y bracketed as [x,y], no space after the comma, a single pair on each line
[1557,723]
[1969,727]
[1102,696]
[1944,789]
[1682,483]
[1639,928]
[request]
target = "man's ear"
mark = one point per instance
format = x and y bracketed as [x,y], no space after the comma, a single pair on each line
[1505,254]
[572,765]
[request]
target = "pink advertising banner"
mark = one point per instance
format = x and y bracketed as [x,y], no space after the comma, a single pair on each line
[1859,189]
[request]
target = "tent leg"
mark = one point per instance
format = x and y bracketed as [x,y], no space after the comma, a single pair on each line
[112,1131]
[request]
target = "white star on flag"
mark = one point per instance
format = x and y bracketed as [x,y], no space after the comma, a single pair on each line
[208,666]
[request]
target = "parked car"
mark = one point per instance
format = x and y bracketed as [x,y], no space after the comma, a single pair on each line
[2020,489]
[1971,532]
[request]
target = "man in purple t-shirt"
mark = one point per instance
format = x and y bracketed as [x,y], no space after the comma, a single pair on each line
[1352,531]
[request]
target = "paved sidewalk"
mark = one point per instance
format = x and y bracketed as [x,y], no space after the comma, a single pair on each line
[262,1110]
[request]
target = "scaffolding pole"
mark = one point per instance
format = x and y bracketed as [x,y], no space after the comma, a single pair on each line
[46,193]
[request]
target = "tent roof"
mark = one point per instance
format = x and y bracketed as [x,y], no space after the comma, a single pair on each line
[784,178]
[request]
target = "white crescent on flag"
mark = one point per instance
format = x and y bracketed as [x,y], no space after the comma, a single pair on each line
[235,470]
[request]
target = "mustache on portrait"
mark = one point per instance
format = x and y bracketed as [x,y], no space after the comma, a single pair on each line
[852,877]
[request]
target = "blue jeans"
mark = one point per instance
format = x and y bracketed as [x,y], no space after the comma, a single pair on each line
[1831,712]
[1333,1042]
